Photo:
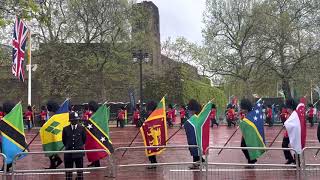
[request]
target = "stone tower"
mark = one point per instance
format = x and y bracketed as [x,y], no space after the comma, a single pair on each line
[146,22]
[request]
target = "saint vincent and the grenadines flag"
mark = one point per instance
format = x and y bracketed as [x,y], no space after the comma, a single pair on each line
[154,129]
[97,130]
[253,131]
[51,131]
[12,131]
[198,130]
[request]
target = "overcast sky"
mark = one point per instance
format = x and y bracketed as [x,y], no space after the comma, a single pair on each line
[181,18]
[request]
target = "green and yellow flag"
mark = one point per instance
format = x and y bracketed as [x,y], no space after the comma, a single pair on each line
[51,131]
[12,131]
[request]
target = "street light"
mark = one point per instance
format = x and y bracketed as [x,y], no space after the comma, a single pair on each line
[140,57]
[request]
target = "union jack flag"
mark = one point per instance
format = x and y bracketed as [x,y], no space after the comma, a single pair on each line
[19,41]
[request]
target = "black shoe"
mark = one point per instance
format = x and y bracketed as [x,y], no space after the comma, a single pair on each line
[290,162]
[252,161]
[58,163]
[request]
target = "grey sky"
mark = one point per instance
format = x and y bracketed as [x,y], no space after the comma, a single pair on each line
[181,18]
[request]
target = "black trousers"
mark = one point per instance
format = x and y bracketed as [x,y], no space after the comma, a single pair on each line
[287,153]
[214,121]
[68,163]
[54,160]
[268,121]
[245,151]
[231,121]
[310,119]
[153,159]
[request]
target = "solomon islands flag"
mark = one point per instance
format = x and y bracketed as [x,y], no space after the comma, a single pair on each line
[253,130]
[12,131]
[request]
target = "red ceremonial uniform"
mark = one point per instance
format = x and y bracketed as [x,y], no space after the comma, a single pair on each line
[43,115]
[1,115]
[269,112]
[136,116]
[284,114]
[29,115]
[311,112]
[230,114]
[213,113]
[86,115]
[182,112]
[121,115]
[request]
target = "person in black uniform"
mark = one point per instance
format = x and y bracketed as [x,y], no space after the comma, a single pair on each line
[93,107]
[246,106]
[55,160]
[74,138]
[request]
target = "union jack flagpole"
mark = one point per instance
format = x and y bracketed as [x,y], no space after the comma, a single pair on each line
[29,67]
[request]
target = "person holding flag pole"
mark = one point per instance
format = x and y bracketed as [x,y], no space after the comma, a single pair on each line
[296,130]
[252,128]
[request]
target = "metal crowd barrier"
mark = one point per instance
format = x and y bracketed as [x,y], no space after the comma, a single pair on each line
[51,172]
[310,166]
[3,172]
[245,171]
[181,171]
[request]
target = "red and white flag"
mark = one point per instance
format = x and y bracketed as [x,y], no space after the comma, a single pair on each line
[296,127]
[19,41]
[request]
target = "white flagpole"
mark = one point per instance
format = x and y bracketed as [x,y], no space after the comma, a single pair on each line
[29,73]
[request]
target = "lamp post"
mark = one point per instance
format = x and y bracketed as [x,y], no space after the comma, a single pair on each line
[140,57]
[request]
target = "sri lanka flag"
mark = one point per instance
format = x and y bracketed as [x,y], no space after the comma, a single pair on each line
[51,131]
[198,130]
[97,130]
[12,132]
[154,129]
[296,127]
[253,131]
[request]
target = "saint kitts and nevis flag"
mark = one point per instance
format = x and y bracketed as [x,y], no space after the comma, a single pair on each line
[12,132]
[296,127]
[198,130]
[154,130]
[97,130]
[253,130]
[51,131]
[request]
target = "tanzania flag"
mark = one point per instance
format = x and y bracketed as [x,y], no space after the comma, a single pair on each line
[154,129]
[253,131]
[51,131]
[198,130]
[97,130]
[12,131]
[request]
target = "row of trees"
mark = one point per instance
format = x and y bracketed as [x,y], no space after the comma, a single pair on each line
[86,40]
[255,43]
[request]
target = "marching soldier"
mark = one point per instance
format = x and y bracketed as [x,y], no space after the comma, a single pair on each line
[43,115]
[269,115]
[121,116]
[29,116]
[170,115]
[213,115]
[1,113]
[311,114]
[230,116]
[136,115]
[182,112]
[74,138]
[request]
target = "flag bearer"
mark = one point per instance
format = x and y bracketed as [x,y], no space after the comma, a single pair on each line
[136,116]
[269,115]
[29,116]
[230,114]
[121,117]
[93,107]
[291,106]
[43,115]
[182,112]
[311,114]
[246,106]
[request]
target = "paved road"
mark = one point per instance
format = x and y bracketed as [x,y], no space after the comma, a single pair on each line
[218,136]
